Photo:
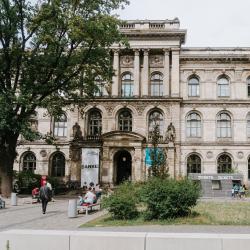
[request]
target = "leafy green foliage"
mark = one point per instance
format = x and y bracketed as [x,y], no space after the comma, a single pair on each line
[167,198]
[158,156]
[122,203]
[26,181]
[50,53]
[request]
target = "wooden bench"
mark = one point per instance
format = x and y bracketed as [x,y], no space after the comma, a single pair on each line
[88,207]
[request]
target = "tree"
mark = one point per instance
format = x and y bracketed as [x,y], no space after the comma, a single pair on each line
[50,53]
[158,156]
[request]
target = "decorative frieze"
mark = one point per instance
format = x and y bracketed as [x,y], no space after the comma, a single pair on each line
[156,61]
[127,61]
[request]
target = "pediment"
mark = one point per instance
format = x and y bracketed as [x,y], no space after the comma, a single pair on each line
[123,135]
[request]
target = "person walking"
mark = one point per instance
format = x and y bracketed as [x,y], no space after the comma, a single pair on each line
[45,197]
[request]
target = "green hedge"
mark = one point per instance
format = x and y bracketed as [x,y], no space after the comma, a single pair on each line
[122,203]
[167,198]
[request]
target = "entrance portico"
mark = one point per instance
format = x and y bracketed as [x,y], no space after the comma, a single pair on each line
[122,157]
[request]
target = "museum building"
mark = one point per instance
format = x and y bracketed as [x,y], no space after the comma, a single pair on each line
[199,97]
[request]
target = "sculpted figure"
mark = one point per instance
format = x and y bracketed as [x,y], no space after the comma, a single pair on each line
[170,134]
[77,132]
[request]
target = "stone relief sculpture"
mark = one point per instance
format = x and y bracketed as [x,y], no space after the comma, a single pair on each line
[170,134]
[127,61]
[77,132]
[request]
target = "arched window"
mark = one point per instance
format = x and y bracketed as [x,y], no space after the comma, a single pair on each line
[156,83]
[127,85]
[224,125]
[193,125]
[248,125]
[60,126]
[193,86]
[58,165]
[193,164]
[223,87]
[95,123]
[29,162]
[248,86]
[224,164]
[155,118]
[99,86]
[125,120]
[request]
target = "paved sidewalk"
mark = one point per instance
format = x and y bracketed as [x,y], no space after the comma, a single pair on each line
[29,216]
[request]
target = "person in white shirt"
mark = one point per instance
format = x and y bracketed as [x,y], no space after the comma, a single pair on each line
[89,197]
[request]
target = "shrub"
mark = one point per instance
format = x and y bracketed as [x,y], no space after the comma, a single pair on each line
[167,198]
[122,203]
[25,181]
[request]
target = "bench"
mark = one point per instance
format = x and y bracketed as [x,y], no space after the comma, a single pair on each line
[88,207]
[2,203]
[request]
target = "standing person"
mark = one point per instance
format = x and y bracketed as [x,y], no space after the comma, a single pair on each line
[50,191]
[232,191]
[45,197]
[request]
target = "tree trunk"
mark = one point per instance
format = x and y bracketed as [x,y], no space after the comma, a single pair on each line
[7,157]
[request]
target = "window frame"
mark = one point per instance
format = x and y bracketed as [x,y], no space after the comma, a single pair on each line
[193,87]
[156,84]
[248,87]
[60,124]
[29,161]
[222,169]
[161,122]
[127,83]
[194,162]
[100,84]
[197,128]
[55,171]
[220,88]
[94,124]
[124,122]
[221,130]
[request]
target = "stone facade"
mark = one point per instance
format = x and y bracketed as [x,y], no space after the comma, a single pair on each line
[203,92]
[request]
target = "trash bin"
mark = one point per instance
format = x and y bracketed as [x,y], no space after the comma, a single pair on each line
[72,208]
[13,200]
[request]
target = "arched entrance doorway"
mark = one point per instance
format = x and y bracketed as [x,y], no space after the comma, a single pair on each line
[123,166]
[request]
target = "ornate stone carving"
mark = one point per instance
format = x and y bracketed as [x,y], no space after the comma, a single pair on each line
[109,106]
[77,132]
[209,154]
[156,61]
[127,61]
[170,134]
[43,153]
[140,107]
[240,155]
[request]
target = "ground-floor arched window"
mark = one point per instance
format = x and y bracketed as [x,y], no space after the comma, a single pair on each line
[193,164]
[58,165]
[29,162]
[224,164]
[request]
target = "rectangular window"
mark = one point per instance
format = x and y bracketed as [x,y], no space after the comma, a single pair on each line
[193,90]
[223,90]
[248,90]
[216,185]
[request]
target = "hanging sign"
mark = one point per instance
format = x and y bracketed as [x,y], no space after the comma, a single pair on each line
[90,165]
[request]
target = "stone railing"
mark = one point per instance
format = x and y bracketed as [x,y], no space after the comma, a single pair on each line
[78,240]
[93,138]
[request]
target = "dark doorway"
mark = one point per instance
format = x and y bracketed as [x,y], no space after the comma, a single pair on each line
[123,166]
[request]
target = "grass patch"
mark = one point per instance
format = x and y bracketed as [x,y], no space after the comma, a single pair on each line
[205,213]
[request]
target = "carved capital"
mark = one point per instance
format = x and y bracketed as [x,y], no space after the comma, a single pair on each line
[137,52]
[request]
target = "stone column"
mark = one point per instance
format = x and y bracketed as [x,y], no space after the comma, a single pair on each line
[136,72]
[175,73]
[145,82]
[166,89]
[137,166]
[75,163]
[171,159]
[116,67]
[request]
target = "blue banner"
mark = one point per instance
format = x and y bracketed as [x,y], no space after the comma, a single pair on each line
[159,155]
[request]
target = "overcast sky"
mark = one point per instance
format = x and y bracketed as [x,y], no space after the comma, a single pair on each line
[209,23]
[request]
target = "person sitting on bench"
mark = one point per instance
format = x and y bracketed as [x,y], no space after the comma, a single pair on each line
[90,196]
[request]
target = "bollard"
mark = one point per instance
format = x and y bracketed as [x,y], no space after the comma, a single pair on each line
[72,208]
[13,201]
